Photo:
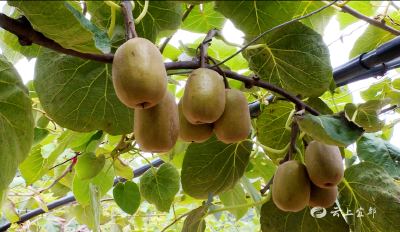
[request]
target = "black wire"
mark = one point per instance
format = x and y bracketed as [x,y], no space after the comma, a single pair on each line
[274,28]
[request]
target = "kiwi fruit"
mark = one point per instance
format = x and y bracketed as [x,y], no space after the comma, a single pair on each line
[192,133]
[291,187]
[203,100]
[322,197]
[324,164]
[156,129]
[234,124]
[139,75]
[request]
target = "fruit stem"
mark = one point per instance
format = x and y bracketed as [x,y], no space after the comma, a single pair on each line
[129,20]
[227,86]
[113,5]
[110,31]
[289,120]
[263,201]
[334,103]
[141,16]
[268,148]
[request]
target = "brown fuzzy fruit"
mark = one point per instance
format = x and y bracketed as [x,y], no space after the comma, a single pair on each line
[192,133]
[139,75]
[291,187]
[156,129]
[203,100]
[322,197]
[324,164]
[234,124]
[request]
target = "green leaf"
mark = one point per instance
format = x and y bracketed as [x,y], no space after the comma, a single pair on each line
[224,51]
[123,171]
[376,90]
[376,150]
[369,40]
[59,21]
[367,114]
[253,192]
[100,14]
[9,211]
[334,129]
[42,158]
[171,52]
[262,167]
[273,219]
[255,17]
[271,129]
[194,221]
[96,206]
[203,20]
[234,197]
[368,186]
[39,135]
[319,105]
[104,180]
[11,47]
[213,166]
[84,215]
[318,21]
[342,96]
[160,186]
[80,95]
[89,165]
[16,122]
[295,58]
[127,196]
[160,16]
[364,7]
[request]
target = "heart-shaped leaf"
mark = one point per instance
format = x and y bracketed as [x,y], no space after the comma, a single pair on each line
[213,166]
[159,187]
[369,198]
[334,129]
[318,21]
[127,196]
[89,165]
[203,20]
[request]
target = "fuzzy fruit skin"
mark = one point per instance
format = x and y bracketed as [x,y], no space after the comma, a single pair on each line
[192,133]
[234,124]
[203,100]
[322,197]
[139,75]
[156,129]
[324,164]
[291,187]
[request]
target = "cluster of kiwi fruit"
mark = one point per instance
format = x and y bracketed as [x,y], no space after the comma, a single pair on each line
[315,183]
[140,82]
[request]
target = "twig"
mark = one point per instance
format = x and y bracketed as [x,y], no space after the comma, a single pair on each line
[272,29]
[84,11]
[185,15]
[371,21]
[76,155]
[393,107]
[271,181]
[45,115]
[203,54]
[248,81]
[121,142]
[128,20]
[343,35]
[227,86]
[70,222]
[173,222]
[27,35]
[66,171]
[293,136]
[106,199]
[122,162]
